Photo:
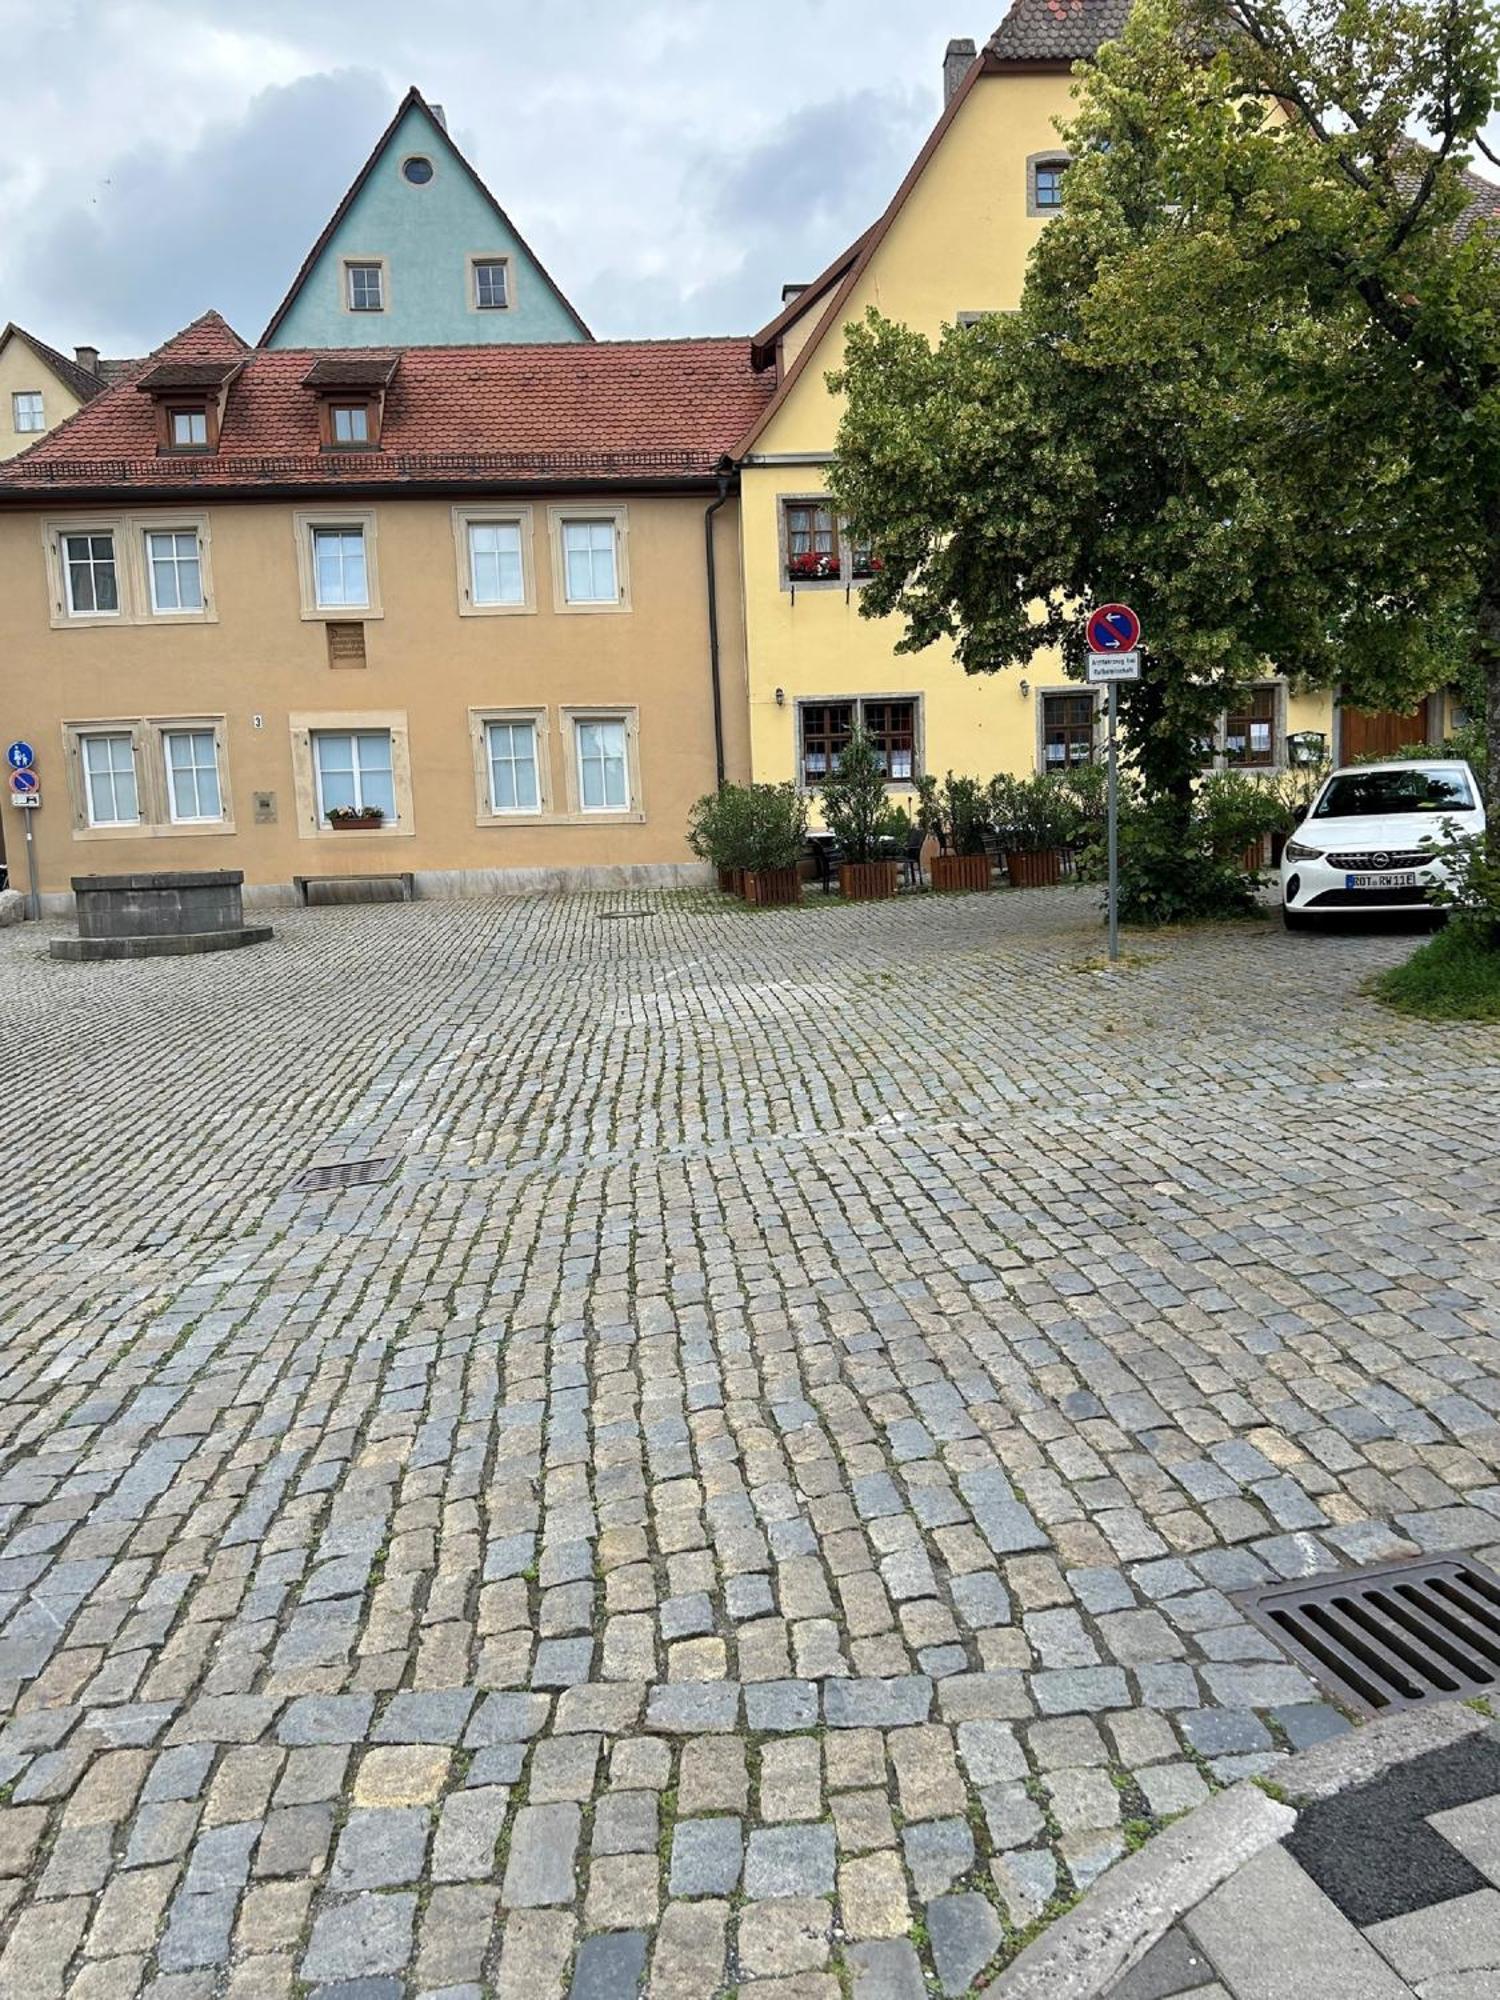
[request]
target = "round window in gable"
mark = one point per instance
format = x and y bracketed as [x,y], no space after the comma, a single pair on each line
[418,169]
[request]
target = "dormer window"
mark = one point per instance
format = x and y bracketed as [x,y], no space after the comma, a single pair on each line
[189,429]
[190,399]
[349,423]
[350,389]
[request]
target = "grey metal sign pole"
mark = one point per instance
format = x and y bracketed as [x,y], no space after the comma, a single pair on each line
[1114,827]
[1113,634]
[33,900]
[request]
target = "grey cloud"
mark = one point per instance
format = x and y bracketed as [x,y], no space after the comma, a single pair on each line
[223,224]
[788,204]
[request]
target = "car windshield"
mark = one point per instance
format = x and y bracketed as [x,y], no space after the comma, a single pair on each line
[1378,792]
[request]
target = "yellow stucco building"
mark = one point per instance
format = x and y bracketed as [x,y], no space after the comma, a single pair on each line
[954,242]
[40,388]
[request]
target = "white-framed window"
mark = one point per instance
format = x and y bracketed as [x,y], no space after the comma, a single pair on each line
[493,551]
[90,575]
[110,793]
[191,761]
[27,412]
[497,573]
[491,283]
[602,746]
[513,765]
[590,572]
[189,429]
[350,423]
[352,768]
[366,287]
[340,572]
[174,568]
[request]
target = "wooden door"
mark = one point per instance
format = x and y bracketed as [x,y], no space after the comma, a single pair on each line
[1379,732]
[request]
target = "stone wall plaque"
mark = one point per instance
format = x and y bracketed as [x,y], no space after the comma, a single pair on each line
[346,645]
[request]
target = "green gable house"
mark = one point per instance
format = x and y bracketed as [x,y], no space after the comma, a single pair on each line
[420,254]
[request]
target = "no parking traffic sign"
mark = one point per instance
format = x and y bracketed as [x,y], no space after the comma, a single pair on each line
[1113,628]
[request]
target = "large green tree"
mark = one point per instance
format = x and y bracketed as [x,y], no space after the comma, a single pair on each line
[1251,387]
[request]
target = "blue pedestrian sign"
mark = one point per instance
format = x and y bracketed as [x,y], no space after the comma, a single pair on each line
[20,756]
[25,781]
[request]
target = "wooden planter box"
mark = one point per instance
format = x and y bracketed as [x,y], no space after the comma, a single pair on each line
[771,887]
[960,871]
[365,823]
[1038,870]
[868,881]
[732,881]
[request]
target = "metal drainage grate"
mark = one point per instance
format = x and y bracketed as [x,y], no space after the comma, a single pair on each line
[1392,1635]
[349,1173]
[620,916]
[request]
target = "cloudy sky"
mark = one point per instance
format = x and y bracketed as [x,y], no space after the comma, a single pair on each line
[671,161]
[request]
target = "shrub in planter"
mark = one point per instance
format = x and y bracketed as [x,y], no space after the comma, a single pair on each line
[774,839]
[1034,820]
[719,833]
[956,813]
[354,819]
[861,819]
[1234,814]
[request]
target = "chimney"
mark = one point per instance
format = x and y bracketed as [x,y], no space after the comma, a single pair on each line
[956,67]
[87,357]
[439,114]
[790,292]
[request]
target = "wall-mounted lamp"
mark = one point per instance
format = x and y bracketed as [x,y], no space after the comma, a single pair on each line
[1025,689]
[781,697]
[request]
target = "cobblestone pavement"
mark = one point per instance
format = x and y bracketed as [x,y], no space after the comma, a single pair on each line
[752,1500]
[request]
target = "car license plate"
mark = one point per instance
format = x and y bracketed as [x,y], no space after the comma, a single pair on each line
[1403,879]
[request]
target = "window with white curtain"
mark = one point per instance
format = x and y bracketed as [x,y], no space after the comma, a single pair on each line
[496,574]
[192,762]
[352,768]
[340,572]
[511,749]
[602,744]
[175,568]
[109,787]
[590,573]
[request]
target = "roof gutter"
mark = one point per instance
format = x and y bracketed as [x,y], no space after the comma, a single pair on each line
[726,474]
[60,493]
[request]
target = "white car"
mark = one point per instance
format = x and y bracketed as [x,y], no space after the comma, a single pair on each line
[1362,845]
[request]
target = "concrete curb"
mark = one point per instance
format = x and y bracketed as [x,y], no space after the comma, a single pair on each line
[1086,1952]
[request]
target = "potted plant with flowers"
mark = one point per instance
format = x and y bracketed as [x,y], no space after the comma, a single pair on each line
[858,813]
[355,819]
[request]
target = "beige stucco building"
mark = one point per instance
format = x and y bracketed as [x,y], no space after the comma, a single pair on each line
[254,599]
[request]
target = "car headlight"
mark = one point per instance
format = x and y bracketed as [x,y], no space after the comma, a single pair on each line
[1296,851]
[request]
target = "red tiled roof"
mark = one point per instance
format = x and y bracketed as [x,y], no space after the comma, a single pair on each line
[620,411]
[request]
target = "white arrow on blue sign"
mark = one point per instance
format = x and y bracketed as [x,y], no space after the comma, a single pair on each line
[20,756]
